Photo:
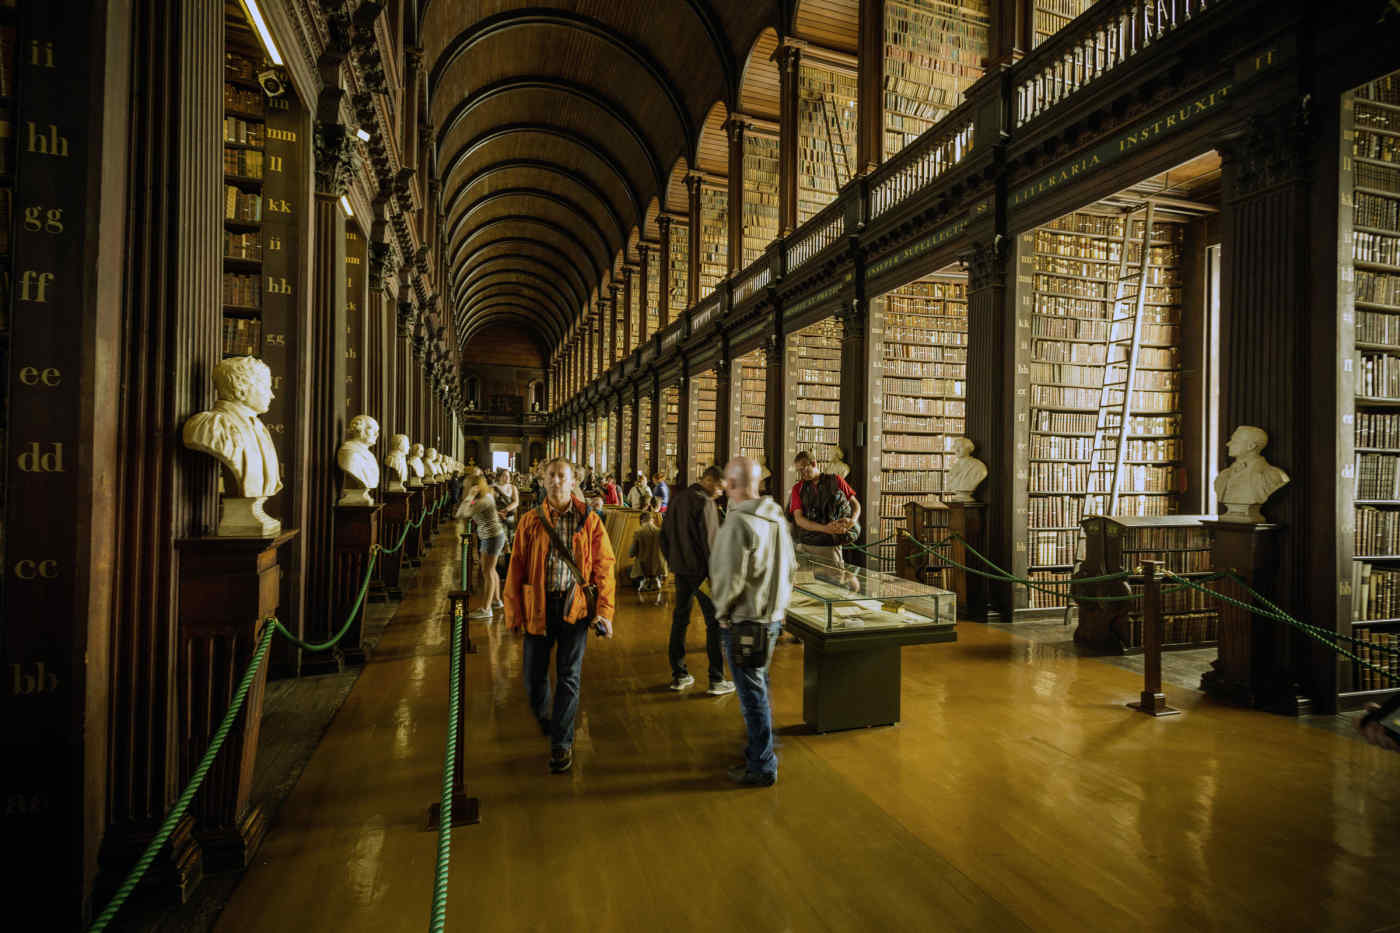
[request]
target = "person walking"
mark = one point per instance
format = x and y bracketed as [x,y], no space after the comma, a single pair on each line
[611,494]
[687,534]
[824,508]
[639,493]
[660,491]
[648,568]
[751,570]
[480,507]
[548,594]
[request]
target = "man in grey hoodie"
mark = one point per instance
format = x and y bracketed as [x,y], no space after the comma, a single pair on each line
[751,567]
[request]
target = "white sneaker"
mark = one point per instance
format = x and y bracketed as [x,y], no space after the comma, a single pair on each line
[479,614]
[498,604]
[680,683]
[721,687]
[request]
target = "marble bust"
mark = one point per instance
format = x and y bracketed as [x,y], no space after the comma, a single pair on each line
[432,465]
[232,433]
[415,467]
[356,461]
[964,474]
[396,460]
[839,466]
[1244,485]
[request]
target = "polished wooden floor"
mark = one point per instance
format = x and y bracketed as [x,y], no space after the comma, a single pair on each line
[1017,794]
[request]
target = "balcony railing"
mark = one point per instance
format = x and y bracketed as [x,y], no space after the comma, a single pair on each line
[923,161]
[819,232]
[1093,45]
[752,280]
[704,312]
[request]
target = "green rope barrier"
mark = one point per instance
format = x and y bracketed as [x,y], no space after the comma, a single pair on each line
[272,626]
[177,812]
[408,526]
[438,918]
[1045,586]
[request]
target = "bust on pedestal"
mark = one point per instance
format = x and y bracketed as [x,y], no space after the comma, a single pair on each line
[965,473]
[1244,485]
[416,470]
[356,461]
[232,433]
[396,462]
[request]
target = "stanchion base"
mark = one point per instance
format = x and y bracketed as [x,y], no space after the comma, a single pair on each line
[1154,704]
[466,811]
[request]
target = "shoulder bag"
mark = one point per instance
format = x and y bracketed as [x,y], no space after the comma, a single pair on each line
[566,554]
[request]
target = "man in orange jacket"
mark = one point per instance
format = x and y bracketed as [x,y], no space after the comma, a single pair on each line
[544,600]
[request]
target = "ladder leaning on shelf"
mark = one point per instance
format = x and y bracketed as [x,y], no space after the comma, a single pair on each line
[1122,344]
[831,120]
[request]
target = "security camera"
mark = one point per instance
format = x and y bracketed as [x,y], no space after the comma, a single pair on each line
[272,83]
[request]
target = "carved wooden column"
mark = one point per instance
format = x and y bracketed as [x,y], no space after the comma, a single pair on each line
[683,471]
[642,291]
[627,272]
[789,105]
[775,397]
[723,404]
[619,465]
[870,86]
[615,315]
[736,128]
[169,311]
[334,163]
[663,271]
[694,210]
[991,424]
[1267,263]
[634,442]
[654,464]
[853,430]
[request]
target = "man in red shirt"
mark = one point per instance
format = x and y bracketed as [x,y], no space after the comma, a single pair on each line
[825,509]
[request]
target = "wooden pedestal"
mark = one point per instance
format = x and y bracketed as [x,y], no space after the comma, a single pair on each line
[965,518]
[413,547]
[852,680]
[431,494]
[228,586]
[357,530]
[1253,666]
[391,522]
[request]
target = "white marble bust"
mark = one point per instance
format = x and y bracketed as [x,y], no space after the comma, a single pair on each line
[233,434]
[1244,485]
[396,460]
[964,474]
[839,466]
[415,467]
[356,460]
[432,465]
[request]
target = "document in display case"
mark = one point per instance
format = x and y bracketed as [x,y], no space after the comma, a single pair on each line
[853,624]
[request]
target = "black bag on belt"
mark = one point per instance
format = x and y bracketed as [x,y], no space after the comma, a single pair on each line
[750,641]
[556,543]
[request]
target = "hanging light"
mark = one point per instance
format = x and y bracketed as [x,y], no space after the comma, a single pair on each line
[250,9]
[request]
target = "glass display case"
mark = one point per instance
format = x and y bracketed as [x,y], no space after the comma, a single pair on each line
[835,600]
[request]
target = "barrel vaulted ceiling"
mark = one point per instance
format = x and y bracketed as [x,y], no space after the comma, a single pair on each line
[560,129]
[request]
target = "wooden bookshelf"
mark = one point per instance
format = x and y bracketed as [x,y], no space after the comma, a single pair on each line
[704,395]
[1073,270]
[748,398]
[1053,15]
[714,238]
[244,136]
[653,296]
[1371,121]
[933,52]
[670,437]
[680,266]
[760,195]
[1181,544]
[826,135]
[918,333]
[629,455]
[814,376]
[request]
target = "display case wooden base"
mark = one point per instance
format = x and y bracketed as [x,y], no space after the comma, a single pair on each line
[852,681]
[228,589]
[1253,666]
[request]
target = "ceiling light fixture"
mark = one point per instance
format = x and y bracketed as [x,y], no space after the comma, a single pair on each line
[364,137]
[250,9]
[345,206]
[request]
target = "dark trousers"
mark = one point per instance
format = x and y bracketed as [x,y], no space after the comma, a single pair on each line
[686,589]
[571,640]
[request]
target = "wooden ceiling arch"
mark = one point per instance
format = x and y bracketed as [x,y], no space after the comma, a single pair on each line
[523,292]
[554,123]
[466,326]
[527,250]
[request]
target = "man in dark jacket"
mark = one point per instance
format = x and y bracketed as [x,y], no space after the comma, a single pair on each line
[687,535]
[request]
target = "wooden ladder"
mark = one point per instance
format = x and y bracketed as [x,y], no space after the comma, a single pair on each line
[1122,345]
[831,117]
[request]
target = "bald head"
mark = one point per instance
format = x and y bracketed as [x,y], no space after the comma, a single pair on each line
[741,477]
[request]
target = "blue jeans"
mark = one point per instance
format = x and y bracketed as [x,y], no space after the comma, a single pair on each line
[568,671]
[751,683]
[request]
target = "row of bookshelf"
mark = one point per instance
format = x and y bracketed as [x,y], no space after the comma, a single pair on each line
[714,238]
[242,336]
[1377,476]
[1101,270]
[1377,532]
[1375,210]
[243,163]
[243,246]
[1378,650]
[1378,429]
[1377,374]
[932,52]
[1384,178]
[703,394]
[1386,90]
[760,195]
[1375,592]
[1377,248]
[1377,287]
[1379,146]
[242,207]
[826,135]
[243,132]
[243,291]
[680,268]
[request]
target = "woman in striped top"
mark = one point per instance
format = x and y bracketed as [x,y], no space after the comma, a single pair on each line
[480,507]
